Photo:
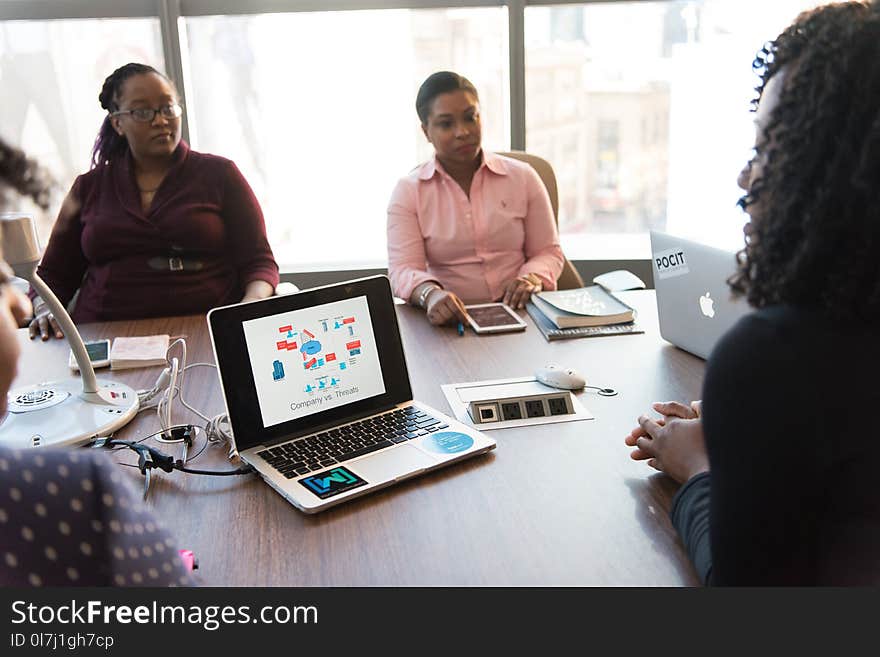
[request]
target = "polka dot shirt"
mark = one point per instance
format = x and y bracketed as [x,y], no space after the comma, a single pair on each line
[69,518]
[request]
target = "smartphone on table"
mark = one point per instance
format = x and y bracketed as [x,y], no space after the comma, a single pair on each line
[99,354]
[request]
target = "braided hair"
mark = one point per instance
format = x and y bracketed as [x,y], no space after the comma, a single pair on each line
[24,175]
[109,144]
[816,242]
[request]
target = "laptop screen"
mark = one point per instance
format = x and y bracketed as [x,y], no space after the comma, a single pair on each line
[295,364]
[313,359]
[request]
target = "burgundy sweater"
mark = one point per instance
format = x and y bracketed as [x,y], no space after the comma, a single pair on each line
[204,212]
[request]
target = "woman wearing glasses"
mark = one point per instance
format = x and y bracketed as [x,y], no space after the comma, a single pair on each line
[154,229]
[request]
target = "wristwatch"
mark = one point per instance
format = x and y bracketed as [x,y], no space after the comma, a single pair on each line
[423,297]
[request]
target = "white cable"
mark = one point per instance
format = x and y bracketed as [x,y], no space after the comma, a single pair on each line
[170,384]
[177,366]
[163,408]
[145,396]
[218,429]
[180,391]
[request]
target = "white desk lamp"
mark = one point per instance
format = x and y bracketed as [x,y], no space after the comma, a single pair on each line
[59,413]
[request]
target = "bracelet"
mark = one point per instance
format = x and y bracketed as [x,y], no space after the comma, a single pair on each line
[38,307]
[423,297]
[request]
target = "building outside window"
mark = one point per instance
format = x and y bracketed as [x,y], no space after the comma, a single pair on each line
[660,127]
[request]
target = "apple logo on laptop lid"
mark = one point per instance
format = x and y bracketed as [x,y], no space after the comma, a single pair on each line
[707,306]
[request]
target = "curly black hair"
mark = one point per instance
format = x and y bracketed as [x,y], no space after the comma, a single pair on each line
[24,175]
[816,241]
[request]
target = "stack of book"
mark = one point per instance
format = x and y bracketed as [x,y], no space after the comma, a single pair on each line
[582,313]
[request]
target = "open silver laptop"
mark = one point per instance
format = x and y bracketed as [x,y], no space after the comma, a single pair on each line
[694,302]
[319,398]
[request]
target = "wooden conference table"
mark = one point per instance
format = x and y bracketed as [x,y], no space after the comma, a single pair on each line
[552,505]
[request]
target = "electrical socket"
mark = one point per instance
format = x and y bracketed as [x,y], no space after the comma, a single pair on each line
[511,411]
[535,408]
[557,406]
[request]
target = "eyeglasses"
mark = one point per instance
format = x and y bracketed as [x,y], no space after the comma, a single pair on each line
[147,114]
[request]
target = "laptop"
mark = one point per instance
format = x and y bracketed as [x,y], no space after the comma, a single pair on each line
[694,302]
[319,399]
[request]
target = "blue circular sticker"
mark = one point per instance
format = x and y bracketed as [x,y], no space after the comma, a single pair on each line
[448,442]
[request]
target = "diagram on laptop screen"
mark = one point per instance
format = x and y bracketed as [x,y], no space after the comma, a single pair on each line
[314,359]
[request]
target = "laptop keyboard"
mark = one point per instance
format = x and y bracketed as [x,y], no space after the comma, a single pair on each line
[350,441]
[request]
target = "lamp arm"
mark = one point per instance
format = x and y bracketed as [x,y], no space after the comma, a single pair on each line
[90,383]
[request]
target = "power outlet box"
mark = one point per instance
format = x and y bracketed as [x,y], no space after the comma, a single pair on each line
[484,411]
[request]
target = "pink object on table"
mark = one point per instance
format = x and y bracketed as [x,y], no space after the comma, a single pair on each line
[189,559]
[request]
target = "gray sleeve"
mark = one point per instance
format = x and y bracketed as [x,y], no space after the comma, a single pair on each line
[690,516]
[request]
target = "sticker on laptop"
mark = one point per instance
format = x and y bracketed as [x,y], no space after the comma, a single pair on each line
[670,263]
[447,442]
[332,482]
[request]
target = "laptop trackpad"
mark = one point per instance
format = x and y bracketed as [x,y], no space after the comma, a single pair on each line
[391,464]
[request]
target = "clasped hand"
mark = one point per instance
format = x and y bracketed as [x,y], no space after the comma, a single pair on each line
[674,443]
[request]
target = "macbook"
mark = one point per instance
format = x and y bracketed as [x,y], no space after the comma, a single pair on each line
[694,302]
[319,398]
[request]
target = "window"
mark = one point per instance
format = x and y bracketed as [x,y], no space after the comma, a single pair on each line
[318,111]
[662,118]
[51,73]
[641,107]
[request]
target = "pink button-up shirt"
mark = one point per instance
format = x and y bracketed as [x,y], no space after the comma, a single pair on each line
[472,247]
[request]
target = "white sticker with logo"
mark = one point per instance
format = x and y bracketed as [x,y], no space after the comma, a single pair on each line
[670,263]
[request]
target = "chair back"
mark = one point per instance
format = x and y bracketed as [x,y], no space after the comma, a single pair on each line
[569,279]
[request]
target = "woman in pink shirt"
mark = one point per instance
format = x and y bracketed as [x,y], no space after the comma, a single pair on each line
[468,226]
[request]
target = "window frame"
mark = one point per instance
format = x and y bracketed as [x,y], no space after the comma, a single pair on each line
[171,12]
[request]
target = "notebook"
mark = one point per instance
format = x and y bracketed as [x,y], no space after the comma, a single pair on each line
[319,398]
[694,302]
[551,332]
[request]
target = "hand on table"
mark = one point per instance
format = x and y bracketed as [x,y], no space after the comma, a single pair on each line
[444,307]
[256,290]
[44,324]
[518,290]
[674,443]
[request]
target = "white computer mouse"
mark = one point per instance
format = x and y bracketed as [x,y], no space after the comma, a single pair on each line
[557,376]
